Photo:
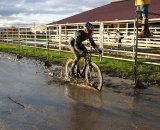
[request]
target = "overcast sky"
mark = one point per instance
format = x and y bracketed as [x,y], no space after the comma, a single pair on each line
[43,11]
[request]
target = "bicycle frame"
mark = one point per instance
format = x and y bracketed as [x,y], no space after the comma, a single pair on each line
[87,61]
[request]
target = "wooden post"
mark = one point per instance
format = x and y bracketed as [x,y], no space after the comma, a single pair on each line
[136,53]
[60,38]
[101,38]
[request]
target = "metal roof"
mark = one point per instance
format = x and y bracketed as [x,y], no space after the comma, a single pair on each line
[120,10]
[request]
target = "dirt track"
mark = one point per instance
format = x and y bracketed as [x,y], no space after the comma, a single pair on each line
[30,99]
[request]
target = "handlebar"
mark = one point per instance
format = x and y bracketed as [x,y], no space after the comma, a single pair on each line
[94,51]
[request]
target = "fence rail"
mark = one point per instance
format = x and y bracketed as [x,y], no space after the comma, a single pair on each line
[58,36]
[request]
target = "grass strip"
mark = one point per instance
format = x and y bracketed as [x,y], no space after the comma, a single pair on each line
[112,67]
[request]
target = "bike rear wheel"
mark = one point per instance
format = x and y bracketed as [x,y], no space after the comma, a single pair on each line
[94,76]
[68,67]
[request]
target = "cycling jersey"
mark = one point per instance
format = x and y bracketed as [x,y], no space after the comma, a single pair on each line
[79,37]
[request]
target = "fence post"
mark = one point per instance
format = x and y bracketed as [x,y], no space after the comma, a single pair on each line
[7,35]
[35,35]
[60,37]
[47,39]
[136,52]
[101,37]
[19,40]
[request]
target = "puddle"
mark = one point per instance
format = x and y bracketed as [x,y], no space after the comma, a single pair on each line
[34,97]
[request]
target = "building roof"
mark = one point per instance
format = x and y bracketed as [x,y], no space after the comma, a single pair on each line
[120,10]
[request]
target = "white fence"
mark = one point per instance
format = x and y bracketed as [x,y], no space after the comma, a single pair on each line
[57,37]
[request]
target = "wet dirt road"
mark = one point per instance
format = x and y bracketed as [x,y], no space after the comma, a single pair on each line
[30,99]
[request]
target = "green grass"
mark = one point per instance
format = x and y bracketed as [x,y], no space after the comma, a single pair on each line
[109,66]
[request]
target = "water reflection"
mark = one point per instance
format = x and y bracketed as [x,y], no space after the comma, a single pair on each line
[84,95]
[86,112]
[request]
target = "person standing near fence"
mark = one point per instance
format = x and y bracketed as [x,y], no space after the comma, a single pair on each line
[142,8]
[118,38]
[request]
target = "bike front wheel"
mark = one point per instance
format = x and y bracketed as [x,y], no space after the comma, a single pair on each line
[94,76]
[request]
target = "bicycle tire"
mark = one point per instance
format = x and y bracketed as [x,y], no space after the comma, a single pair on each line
[68,68]
[93,76]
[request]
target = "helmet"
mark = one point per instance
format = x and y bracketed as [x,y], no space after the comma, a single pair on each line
[89,26]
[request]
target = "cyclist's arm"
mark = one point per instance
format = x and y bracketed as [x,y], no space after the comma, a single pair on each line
[94,45]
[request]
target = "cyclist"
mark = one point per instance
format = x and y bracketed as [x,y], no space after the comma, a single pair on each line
[77,45]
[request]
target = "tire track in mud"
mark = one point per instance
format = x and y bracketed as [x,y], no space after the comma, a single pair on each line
[24,105]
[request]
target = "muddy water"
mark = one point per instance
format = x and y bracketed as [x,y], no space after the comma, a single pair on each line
[31,99]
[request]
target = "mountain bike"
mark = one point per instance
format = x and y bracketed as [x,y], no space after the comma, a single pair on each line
[88,71]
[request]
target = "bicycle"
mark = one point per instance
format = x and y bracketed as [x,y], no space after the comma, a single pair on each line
[88,71]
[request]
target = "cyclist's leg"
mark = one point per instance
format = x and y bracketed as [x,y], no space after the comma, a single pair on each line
[76,59]
[72,43]
[83,52]
[80,48]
